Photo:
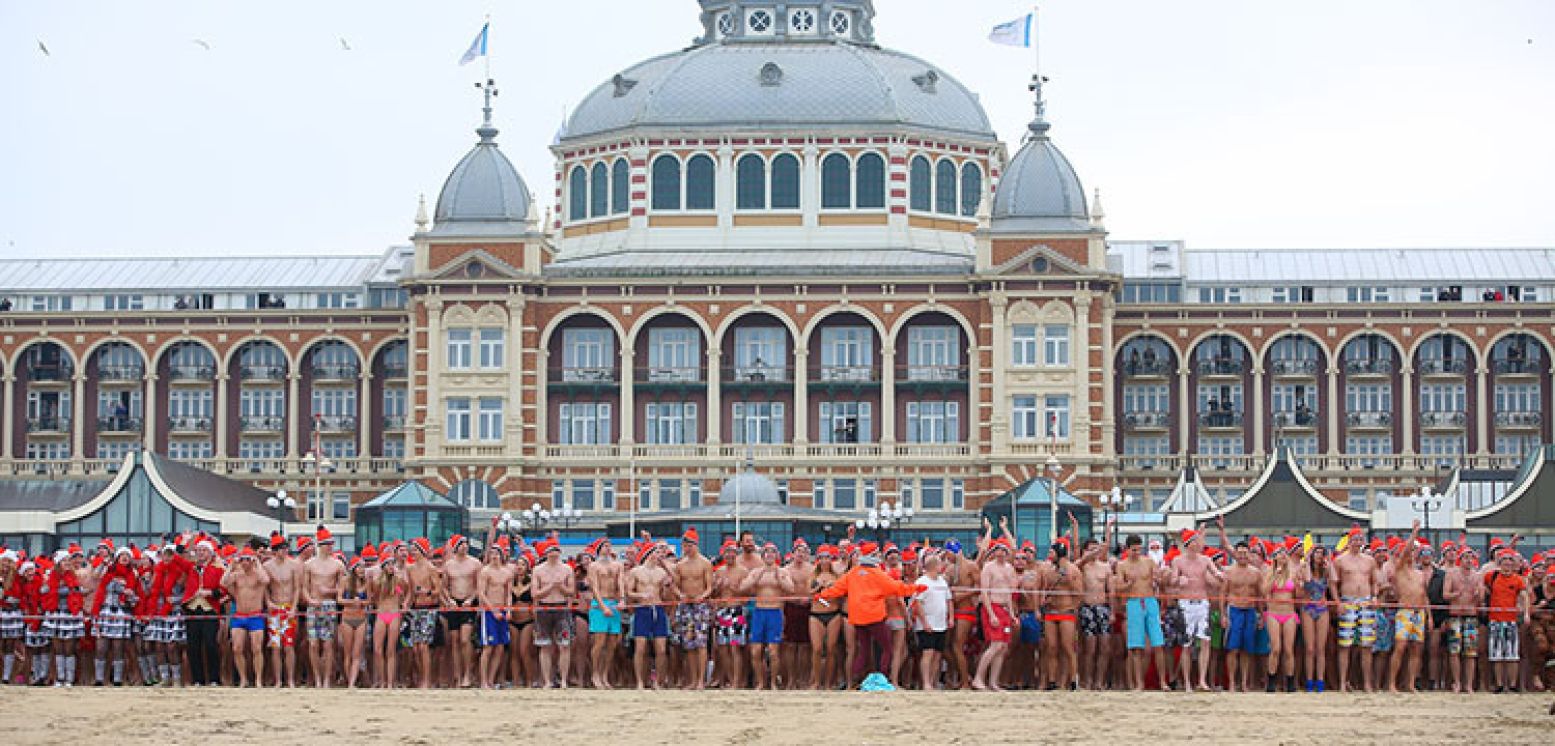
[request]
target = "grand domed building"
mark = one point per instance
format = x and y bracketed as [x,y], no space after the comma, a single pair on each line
[790,246]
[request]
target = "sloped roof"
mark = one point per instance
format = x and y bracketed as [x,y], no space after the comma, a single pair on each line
[1530,504]
[411,495]
[1189,495]
[205,274]
[209,491]
[1032,494]
[1429,267]
[1282,500]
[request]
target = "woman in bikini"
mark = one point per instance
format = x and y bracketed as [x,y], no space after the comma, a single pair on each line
[1279,592]
[826,622]
[388,595]
[1315,622]
[352,599]
[522,665]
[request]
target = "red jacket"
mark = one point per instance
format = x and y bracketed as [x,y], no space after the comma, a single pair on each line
[74,596]
[867,589]
[210,580]
[164,584]
[31,594]
[120,572]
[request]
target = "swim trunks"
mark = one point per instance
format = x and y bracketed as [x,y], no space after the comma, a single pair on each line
[553,627]
[1242,629]
[729,626]
[252,623]
[1195,613]
[998,625]
[493,631]
[420,626]
[1463,636]
[1174,626]
[1144,623]
[692,621]
[599,623]
[1095,620]
[1356,615]
[323,621]
[282,627]
[1030,628]
[1409,625]
[766,627]
[650,623]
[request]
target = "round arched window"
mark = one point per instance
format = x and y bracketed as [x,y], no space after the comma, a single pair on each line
[759,22]
[725,24]
[841,23]
[802,21]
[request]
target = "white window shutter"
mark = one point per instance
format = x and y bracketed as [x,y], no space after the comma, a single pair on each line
[828,429]
[952,422]
[689,429]
[777,422]
[865,434]
[603,415]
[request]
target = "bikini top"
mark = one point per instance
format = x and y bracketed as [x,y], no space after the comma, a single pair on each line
[1317,589]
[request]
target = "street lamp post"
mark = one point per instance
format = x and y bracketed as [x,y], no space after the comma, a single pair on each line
[1052,497]
[280,502]
[1426,503]
[312,460]
[880,519]
[1115,501]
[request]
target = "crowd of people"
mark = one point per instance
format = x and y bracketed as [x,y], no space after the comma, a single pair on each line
[1279,614]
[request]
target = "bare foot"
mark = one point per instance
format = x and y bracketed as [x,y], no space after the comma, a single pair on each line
[979,686]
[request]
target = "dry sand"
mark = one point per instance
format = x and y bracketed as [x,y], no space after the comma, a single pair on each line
[131,716]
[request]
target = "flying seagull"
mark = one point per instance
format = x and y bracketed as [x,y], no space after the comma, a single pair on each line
[344,45]
[203,44]
[43,48]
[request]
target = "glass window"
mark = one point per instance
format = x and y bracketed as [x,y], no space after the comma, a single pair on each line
[932,347]
[583,423]
[1056,414]
[334,402]
[922,181]
[758,423]
[458,349]
[1368,397]
[957,494]
[671,423]
[871,182]
[457,427]
[1023,345]
[1055,345]
[1023,418]
[269,402]
[490,426]
[674,354]
[700,183]
[587,354]
[669,494]
[871,489]
[818,498]
[620,187]
[583,494]
[844,494]
[1516,445]
[785,182]
[836,182]
[1442,397]
[599,191]
[578,194]
[492,348]
[751,183]
[932,494]
[1145,398]
[945,188]
[760,353]
[181,403]
[666,183]
[933,422]
[1517,397]
[340,503]
[845,422]
[847,353]
[971,189]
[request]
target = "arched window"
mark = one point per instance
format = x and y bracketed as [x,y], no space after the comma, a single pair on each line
[578,194]
[700,183]
[785,182]
[971,189]
[751,183]
[922,185]
[666,183]
[836,182]
[599,194]
[620,187]
[945,188]
[871,182]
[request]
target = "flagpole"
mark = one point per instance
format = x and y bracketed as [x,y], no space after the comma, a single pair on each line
[486,45]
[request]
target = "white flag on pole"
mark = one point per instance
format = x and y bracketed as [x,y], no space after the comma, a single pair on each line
[1020,32]
[477,47]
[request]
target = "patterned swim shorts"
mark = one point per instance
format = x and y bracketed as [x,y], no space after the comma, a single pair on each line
[730,627]
[1409,625]
[422,626]
[282,627]
[1463,636]
[1095,620]
[1355,614]
[691,624]
[323,621]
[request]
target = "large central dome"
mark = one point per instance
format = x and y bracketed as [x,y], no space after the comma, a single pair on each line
[766,65]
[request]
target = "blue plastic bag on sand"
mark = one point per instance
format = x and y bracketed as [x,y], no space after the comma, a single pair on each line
[876,682]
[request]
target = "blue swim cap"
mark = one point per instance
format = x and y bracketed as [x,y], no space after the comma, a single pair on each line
[953,546]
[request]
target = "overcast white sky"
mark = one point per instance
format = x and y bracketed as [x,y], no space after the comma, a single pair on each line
[1229,123]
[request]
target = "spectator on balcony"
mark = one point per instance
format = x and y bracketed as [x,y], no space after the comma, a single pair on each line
[121,415]
[5,304]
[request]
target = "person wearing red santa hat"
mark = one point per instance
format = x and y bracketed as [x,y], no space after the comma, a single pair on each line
[202,600]
[322,577]
[65,600]
[554,587]
[118,592]
[248,582]
[12,623]
[825,620]
[1464,590]
[866,588]
[796,618]
[693,617]
[284,593]
[729,618]
[605,624]
[29,588]
[1356,578]
[649,587]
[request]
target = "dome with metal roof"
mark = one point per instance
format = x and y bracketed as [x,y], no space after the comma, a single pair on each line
[749,488]
[1039,191]
[764,65]
[484,195]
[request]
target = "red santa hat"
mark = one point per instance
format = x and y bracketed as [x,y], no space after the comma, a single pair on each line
[690,535]
[277,541]
[457,539]
[869,547]
[369,552]
[421,543]
[324,536]
[303,542]
[1188,535]
[645,550]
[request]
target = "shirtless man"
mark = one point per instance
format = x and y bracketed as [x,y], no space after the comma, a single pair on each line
[796,619]
[1240,618]
[997,604]
[1028,602]
[323,575]
[1411,623]
[1066,589]
[963,575]
[1096,615]
[729,618]
[693,617]
[768,586]
[248,583]
[1356,577]
[1137,578]
[1465,592]
[461,573]
[426,592]
[1195,574]
[553,588]
[492,585]
[648,586]
[604,613]
[285,590]
[749,558]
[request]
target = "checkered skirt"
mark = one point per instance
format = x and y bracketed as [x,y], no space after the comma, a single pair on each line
[11,624]
[167,629]
[63,625]
[114,623]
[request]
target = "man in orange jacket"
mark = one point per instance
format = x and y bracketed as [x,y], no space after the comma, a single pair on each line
[867,588]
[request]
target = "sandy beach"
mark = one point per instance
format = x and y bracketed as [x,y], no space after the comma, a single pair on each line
[132,716]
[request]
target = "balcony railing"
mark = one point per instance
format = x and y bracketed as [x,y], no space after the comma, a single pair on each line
[396,370]
[336,423]
[931,374]
[262,424]
[186,373]
[262,372]
[1222,366]
[674,377]
[1296,419]
[1147,368]
[126,424]
[1369,419]
[1303,367]
[1147,420]
[56,373]
[120,373]
[864,374]
[1368,367]
[1443,367]
[1516,367]
[1220,420]
[189,424]
[48,424]
[588,375]
[1444,420]
[395,422]
[758,376]
[337,372]
[1519,420]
